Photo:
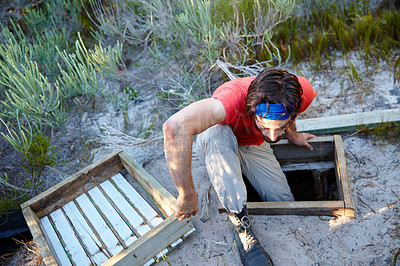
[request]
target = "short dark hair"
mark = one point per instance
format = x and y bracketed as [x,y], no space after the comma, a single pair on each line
[274,85]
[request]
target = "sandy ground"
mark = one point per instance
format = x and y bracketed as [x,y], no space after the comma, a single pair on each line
[370,238]
[366,239]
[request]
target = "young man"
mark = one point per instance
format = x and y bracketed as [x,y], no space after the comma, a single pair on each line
[236,126]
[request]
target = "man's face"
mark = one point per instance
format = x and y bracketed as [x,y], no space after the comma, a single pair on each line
[271,130]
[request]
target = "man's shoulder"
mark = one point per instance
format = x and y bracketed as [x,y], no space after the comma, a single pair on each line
[232,94]
[239,82]
[237,86]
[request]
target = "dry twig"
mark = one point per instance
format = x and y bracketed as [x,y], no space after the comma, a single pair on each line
[302,234]
[251,70]
[112,137]
[363,202]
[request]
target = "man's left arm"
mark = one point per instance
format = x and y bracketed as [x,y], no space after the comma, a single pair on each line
[299,139]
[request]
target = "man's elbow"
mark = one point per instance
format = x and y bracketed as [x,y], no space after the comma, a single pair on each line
[170,129]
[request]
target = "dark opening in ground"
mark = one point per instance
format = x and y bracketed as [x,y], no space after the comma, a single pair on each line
[13,231]
[306,185]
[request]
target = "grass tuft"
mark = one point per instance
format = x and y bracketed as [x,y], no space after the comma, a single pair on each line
[330,27]
[34,92]
[384,132]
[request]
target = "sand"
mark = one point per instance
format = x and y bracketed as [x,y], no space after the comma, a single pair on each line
[370,238]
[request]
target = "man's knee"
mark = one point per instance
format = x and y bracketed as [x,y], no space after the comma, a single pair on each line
[215,141]
[283,196]
[216,136]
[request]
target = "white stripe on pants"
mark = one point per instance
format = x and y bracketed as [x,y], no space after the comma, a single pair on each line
[225,160]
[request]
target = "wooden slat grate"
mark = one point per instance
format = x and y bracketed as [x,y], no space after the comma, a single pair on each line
[100,223]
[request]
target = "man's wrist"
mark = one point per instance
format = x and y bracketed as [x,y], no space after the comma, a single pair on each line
[290,135]
[187,193]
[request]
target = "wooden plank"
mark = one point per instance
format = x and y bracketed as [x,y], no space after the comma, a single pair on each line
[46,250]
[112,216]
[135,199]
[347,122]
[125,209]
[323,150]
[287,167]
[349,212]
[329,208]
[152,243]
[164,200]
[72,244]
[93,245]
[65,191]
[343,176]
[337,175]
[98,224]
[55,241]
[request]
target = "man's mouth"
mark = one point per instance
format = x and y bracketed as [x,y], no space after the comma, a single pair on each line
[267,139]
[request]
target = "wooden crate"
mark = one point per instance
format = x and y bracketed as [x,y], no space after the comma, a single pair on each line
[96,217]
[328,152]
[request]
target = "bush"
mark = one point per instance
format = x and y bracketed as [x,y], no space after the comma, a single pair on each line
[40,73]
[196,33]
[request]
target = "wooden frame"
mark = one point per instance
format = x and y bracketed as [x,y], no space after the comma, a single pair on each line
[347,122]
[146,247]
[328,152]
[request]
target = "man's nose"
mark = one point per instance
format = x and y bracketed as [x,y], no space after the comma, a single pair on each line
[272,134]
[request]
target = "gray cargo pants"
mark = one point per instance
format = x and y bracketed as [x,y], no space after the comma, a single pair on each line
[225,160]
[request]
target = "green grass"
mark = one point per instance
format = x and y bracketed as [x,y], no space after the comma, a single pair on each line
[396,70]
[44,66]
[388,132]
[12,196]
[332,27]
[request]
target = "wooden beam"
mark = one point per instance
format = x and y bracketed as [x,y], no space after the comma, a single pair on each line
[152,243]
[68,236]
[98,225]
[126,210]
[164,200]
[343,176]
[287,167]
[95,246]
[339,184]
[46,250]
[329,208]
[65,191]
[347,122]
[54,242]
[136,199]
[322,151]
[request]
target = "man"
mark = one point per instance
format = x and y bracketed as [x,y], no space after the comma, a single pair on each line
[237,124]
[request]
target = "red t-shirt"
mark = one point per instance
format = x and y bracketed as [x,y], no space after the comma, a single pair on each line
[233,93]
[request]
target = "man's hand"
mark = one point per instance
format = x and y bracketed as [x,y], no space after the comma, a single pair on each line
[300,139]
[186,206]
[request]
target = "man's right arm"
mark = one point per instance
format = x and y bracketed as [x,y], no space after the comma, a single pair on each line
[179,130]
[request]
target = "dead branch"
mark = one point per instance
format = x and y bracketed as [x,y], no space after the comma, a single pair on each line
[363,202]
[112,137]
